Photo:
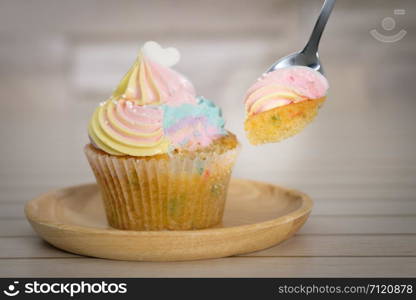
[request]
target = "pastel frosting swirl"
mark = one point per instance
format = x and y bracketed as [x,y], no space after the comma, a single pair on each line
[193,126]
[122,127]
[153,111]
[283,87]
[148,82]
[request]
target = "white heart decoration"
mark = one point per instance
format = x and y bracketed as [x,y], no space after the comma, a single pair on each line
[167,57]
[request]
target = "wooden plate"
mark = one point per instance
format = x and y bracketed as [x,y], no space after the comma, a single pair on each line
[258,215]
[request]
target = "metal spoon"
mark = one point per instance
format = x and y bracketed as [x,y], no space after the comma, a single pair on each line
[309,55]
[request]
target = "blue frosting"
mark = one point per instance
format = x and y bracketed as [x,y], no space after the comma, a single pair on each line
[204,108]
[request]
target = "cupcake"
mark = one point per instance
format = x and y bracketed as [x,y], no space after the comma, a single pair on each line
[160,154]
[281,103]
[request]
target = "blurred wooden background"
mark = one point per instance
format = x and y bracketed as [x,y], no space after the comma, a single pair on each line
[58,59]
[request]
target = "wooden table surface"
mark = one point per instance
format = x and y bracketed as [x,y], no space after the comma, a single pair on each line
[357,160]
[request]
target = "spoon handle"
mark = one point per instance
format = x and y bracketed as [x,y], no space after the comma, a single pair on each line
[313,43]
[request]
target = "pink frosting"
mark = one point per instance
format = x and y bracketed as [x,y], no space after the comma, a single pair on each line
[153,83]
[285,86]
[192,133]
[135,123]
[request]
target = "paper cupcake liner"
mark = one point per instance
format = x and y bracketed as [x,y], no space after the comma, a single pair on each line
[179,192]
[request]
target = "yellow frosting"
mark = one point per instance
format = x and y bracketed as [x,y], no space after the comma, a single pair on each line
[110,135]
[140,84]
[268,99]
